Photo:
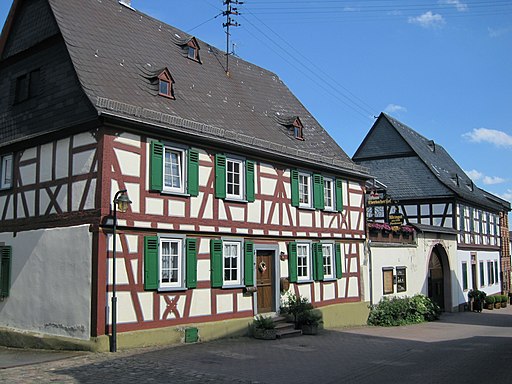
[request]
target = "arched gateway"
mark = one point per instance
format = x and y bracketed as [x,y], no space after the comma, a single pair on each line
[439,280]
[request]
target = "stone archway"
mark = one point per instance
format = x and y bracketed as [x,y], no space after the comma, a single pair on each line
[439,278]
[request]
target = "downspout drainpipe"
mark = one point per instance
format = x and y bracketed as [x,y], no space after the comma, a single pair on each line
[370,270]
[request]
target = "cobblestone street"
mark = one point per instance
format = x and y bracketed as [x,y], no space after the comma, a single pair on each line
[445,351]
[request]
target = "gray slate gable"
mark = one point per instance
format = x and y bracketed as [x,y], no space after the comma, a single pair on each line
[112,49]
[414,167]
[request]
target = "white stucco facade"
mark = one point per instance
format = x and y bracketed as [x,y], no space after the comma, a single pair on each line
[50,282]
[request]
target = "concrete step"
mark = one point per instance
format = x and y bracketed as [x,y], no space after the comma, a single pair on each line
[281,334]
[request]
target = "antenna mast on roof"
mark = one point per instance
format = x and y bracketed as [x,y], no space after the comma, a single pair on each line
[230,23]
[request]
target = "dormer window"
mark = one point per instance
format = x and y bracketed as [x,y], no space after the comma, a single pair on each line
[193,49]
[165,82]
[298,129]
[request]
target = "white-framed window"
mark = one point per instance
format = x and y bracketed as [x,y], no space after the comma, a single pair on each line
[174,170]
[329,194]
[328,256]
[305,191]
[171,263]
[231,257]
[303,261]
[235,180]
[6,171]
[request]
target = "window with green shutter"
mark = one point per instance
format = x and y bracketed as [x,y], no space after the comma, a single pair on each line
[338,260]
[318,262]
[318,191]
[156,165]
[249,180]
[220,176]
[191,267]
[292,262]
[5,270]
[249,264]
[151,279]
[339,195]
[294,185]
[193,172]
[216,263]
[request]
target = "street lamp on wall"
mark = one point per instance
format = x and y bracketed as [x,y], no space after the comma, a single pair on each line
[122,202]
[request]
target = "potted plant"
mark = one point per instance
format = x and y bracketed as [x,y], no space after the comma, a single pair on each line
[476,299]
[309,321]
[264,328]
[294,306]
[497,302]
[489,302]
[504,301]
[407,231]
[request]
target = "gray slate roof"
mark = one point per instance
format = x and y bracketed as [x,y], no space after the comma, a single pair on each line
[414,167]
[113,48]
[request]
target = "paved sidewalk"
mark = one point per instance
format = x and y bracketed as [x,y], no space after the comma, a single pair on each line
[444,351]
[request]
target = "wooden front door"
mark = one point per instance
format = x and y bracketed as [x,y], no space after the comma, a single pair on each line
[436,280]
[265,280]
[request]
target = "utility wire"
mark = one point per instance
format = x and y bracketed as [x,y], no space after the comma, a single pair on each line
[204,22]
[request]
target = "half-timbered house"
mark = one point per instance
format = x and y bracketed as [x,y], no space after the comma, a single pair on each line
[457,245]
[236,190]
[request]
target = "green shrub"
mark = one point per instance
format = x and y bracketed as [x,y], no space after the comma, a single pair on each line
[295,306]
[504,298]
[262,322]
[403,310]
[490,300]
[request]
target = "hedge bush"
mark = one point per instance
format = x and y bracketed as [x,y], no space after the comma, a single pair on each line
[403,310]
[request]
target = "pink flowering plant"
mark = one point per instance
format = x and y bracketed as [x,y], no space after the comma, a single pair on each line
[379,226]
[407,229]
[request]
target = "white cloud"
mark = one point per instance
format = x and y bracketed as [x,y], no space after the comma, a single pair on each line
[491,180]
[487,180]
[507,195]
[392,108]
[474,174]
[461,7]
[498,138]
[428,20]
[497,32]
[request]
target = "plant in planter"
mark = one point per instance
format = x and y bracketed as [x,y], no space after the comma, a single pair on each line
[477,298]
[407,230]
[489,302]
[504,300]
[309,321]
[293,306]
[379,227]
[264,328]
[497,301]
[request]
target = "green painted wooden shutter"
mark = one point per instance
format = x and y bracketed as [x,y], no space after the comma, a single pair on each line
[337,255]
[249,264]
[249,181]
[193,172]
[5,270]
[220,176]
[339,195]
[191,268]
[156,166]
[318,191]
[294,184]
[151,277]
[216,263]
[292,262]
[318,262]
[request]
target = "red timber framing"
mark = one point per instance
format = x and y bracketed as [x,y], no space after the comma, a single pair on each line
[211,217]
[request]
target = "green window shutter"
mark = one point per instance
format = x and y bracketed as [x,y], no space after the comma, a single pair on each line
[193,172]
[294,184]
[318,191]
[191,274]
[339,195]
[151,277]
[249,181]
[318,262]
[292,262]
[5,270]
[156,166]
[220,176]
[216,263]
[337,256]
[249,264]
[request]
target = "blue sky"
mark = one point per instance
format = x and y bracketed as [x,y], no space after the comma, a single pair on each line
[443,67]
